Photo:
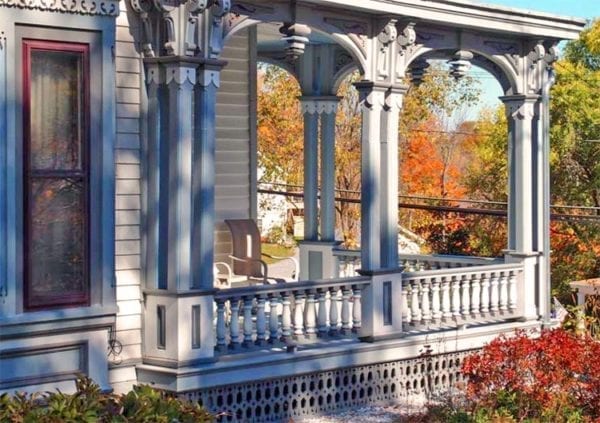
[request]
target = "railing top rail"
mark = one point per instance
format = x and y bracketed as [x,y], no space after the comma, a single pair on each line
[427,257]
[346,253]
[452,258]
[243,291]
[463,270]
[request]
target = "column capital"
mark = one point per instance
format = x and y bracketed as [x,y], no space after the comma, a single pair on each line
[395,97]
[520,106]
[319,104]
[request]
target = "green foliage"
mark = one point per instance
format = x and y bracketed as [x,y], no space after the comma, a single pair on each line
[89,405]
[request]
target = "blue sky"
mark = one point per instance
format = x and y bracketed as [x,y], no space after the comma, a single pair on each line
[587,9]
[578,8]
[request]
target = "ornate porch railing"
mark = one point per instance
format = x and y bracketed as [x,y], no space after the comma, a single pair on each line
[385,304]
[448,297]
[287,313]
[348,261]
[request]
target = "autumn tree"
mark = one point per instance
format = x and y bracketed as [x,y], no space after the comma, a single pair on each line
[575,117]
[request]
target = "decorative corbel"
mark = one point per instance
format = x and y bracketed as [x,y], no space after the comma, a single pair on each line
[407,37]
[193,8]
[385,38]
[143,8]
[219,10]
[535,72]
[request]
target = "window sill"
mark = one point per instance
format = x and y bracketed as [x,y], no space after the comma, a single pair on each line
[56,321]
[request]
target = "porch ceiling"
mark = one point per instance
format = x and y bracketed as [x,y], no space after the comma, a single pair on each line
[468,14]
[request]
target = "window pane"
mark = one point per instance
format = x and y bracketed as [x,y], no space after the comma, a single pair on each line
[57,242]
[56,112]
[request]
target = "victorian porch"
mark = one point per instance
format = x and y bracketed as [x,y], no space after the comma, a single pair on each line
[184,142]
[335,338]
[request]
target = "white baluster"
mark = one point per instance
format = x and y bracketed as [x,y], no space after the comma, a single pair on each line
[248,320]
[299,315]
[310,315]
[346,310]
[221,328]
[414,301]
[273,318]
[425,303]
[512,291]
[356,310]
[406,315]
[286,317]
[475,293]
[446,310]
[455,293]
[466,296]
[334,311]
[494,295]
[261,321]
[485,293]
[503,288]
[322,312]
[435,300]
[234,324]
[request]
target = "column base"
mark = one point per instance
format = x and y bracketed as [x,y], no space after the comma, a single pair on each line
[317,260]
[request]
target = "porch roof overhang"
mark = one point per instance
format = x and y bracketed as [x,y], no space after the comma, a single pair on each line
[470,15]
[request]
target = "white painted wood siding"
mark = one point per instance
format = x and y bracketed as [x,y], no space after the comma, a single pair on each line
[128,206]
[232,191]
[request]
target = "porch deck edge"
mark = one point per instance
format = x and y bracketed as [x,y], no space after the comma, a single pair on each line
[261,365]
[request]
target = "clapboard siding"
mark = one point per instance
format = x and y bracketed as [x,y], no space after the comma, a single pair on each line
[128,206]
[233,141]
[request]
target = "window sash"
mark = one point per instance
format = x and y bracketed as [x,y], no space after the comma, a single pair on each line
[78,293]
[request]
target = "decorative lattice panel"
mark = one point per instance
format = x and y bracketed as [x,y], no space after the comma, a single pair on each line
[307,394]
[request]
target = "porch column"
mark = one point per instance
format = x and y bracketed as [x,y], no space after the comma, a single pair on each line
[327,108]
[316,250]
[521,113]
[311,168]
[208,75]
[372,100]
[389,177]
[178,308]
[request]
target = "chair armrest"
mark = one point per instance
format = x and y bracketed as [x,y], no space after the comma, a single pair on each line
[293,259]
[227,274]
[249,260]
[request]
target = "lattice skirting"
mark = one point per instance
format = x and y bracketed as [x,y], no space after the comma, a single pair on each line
[314,393]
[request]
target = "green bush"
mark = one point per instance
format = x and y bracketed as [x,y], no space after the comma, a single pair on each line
[89,405]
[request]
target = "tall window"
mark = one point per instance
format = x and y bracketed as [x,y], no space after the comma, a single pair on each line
[56,173]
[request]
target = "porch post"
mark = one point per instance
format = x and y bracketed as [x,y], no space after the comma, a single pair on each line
[521,113]
[311,166]
[178,328]
[389,177]
[204,173]
[316,250]
[328,109]
[372,99]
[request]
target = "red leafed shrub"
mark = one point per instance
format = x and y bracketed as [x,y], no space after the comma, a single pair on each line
[536,376]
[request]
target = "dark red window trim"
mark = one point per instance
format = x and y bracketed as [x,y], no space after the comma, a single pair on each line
[61,299]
